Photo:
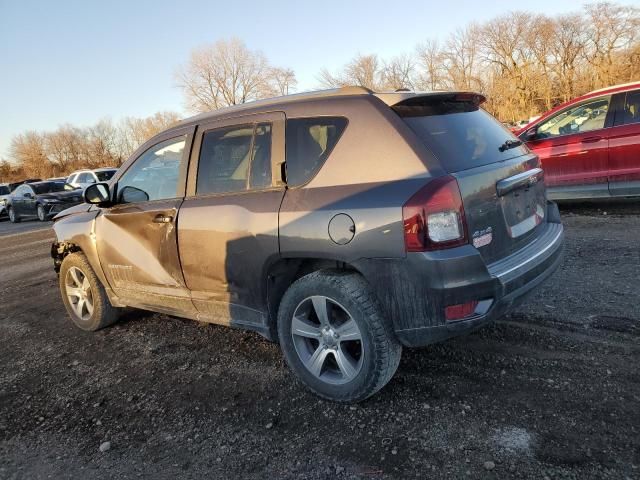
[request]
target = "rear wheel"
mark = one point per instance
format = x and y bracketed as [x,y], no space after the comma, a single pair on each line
[13,216]
[83,295]
[41,215]
[334,337]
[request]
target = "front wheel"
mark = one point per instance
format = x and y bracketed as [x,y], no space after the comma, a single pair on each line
[13,216]
[41,215]
[335,338]
[83,295]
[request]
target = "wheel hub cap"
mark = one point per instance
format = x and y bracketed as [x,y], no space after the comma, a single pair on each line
[327,340]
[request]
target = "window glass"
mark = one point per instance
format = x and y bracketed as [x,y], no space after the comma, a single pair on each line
[48,187]
[459,133]
[105,175]
[224,160]
[585,117]
[154,175]
[309,142]
[261,157]
[632,108]
[4,190]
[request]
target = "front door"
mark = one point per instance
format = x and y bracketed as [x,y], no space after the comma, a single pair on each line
[573,148]
[136,238]
[624,147]
[229,220]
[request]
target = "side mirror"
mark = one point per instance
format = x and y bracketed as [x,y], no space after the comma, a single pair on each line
[97,193]
[530,134]
[132,195]
[26,195]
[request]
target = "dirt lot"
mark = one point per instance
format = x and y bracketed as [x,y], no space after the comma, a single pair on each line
[553,391]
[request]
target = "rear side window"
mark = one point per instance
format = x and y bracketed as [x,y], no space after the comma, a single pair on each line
[4,190]
[632,108]
[459,133]
[309,142]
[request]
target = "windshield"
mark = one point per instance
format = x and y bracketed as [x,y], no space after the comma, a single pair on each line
[460,134]
[48,187]
[4,190]
[105,175]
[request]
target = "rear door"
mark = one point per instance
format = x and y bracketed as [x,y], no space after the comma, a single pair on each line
[500,181]
[624,146]
[228,223]
[573,148]
[136,238]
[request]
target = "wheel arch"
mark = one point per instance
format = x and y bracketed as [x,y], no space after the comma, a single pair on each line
[281,274]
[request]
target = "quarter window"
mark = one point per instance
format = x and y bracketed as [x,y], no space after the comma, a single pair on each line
[309,142]
[585,117]
[235,159]
[632,108]
[154,175]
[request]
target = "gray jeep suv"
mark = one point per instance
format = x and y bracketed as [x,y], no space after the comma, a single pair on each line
[343,224]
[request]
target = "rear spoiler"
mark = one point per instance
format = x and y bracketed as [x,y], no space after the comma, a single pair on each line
[411,99]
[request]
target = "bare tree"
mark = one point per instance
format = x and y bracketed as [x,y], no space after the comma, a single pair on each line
[133,132]
[228,73]
[283,80]
[431,69]
[399,73]
[611,29]
[29,151]
[363,71]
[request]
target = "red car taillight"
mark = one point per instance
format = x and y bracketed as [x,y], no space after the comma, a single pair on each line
[434,217]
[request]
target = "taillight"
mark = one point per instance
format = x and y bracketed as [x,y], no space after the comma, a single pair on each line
[434,217]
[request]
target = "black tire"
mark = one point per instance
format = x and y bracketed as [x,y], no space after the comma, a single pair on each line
[41,215]
[13,216]
[104,314]
[380,350]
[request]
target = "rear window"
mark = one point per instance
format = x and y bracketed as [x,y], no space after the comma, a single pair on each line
[309,142]
[49,187]
[459,133]
[4,190]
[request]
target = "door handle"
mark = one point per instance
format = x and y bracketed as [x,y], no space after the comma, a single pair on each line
[160,218]
[595,138]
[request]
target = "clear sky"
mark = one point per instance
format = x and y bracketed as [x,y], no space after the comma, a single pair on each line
[76,61]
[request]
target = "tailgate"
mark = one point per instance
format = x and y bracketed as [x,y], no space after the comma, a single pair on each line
[504,204]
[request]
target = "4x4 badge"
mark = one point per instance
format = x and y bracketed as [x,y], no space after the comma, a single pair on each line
[482,237]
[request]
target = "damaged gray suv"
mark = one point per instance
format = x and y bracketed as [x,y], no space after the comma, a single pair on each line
[343,224]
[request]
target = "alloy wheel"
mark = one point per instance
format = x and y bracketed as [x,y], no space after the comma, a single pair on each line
[41,215]
[79,293]
[327,340]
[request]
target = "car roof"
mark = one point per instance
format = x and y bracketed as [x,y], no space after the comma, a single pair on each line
[390,98]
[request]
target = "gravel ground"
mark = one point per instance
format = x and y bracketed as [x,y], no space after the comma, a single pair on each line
[552,391]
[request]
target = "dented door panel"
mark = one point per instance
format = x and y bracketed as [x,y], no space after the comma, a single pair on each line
[139,255]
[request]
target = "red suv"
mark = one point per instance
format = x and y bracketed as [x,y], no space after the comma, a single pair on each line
[590,146]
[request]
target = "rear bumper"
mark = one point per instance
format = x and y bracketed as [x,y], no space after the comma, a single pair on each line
[416,291]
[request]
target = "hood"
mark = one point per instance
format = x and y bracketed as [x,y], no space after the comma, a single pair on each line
[83,207]
[71,196]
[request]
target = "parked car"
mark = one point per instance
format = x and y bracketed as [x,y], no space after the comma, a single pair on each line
[590,146]
[57,179]
[84,178]
[344,224]
[41,200]
[5,190]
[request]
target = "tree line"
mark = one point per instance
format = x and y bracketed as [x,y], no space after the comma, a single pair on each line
[524,63]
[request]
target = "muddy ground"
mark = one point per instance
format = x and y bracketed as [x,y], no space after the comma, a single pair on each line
[552,391]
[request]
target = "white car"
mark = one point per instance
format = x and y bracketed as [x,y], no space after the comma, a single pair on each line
[5,190]
[84,178]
